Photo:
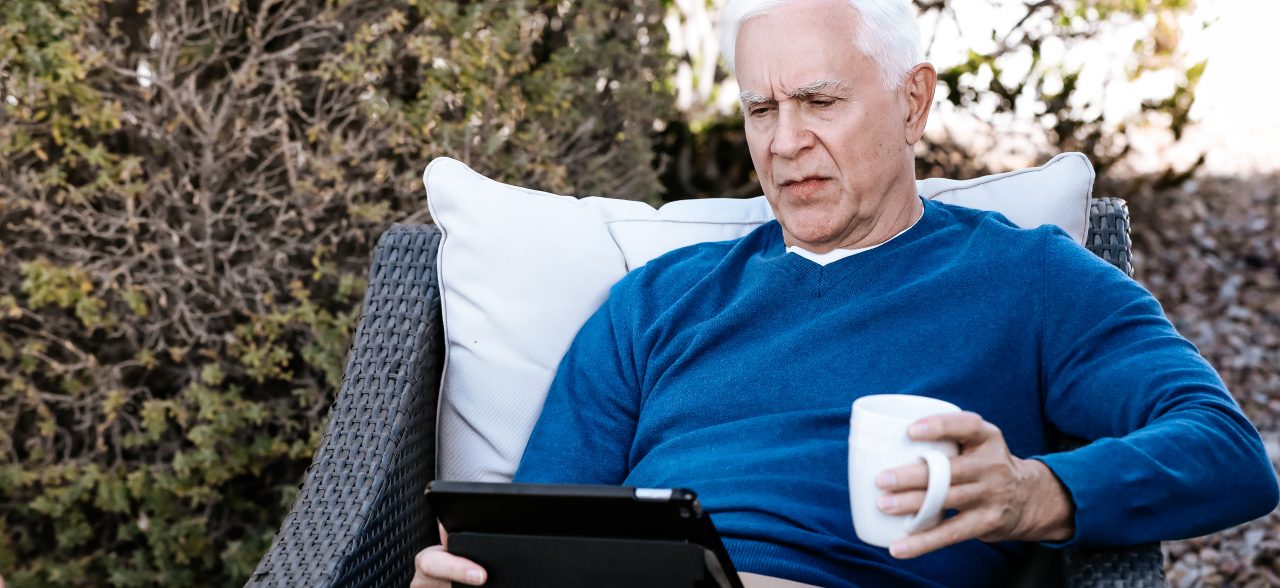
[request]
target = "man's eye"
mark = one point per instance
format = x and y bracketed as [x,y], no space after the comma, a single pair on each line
[761,111]
[821,103]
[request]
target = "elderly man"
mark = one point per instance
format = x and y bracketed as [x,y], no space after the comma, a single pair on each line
[730,367]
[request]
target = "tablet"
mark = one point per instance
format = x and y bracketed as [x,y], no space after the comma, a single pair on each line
[580,535]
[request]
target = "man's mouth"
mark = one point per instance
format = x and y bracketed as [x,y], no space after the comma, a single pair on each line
[804,187]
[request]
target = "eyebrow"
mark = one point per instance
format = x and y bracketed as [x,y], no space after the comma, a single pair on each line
[814,88]
[750,98]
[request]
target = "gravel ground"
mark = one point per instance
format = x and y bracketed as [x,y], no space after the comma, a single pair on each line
[1210,251]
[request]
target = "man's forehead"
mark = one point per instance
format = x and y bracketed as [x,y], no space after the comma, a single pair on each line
[806,89]
[798,46]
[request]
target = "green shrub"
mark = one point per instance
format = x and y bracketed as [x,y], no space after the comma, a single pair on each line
[189,192]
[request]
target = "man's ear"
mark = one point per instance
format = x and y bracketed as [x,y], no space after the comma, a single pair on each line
[918,90]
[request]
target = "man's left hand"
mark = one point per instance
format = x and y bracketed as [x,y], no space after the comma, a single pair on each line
[998,497]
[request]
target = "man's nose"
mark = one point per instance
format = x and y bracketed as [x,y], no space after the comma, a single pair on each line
[792,135]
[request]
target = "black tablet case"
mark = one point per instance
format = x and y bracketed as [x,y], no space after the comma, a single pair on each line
[520,561]
[582,536]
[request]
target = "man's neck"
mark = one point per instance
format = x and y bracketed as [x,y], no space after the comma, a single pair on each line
[885,227]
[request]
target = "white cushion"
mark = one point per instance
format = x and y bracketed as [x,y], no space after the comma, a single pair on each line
[520,271]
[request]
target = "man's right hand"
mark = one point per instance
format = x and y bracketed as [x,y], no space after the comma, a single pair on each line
[434,567]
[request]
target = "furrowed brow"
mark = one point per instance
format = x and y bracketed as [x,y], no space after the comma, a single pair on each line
[750,98]
[817,87]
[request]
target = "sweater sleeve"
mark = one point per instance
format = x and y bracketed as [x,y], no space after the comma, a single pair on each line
[1172,455]
[585,431]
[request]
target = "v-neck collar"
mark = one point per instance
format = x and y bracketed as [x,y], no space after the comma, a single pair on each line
[824,277]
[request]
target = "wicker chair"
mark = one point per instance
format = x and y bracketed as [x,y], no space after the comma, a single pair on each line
[362,516]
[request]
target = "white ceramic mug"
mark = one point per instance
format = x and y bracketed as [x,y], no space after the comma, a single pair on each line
[878,441]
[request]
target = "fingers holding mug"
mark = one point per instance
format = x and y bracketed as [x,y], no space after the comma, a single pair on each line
[879,443]
[935,493]
[959,497]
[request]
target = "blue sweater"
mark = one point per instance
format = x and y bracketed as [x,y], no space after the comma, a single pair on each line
[730,368]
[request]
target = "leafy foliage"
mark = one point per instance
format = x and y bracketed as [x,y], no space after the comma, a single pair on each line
[189,191]
[1012,77]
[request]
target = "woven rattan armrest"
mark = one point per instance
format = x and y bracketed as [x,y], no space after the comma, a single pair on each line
[361,514]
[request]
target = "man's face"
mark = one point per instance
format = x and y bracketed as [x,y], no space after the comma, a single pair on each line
[828,140]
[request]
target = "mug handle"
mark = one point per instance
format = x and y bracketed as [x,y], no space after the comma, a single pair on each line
[934,495]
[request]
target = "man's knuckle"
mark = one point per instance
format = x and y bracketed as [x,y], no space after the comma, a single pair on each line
[919,475]
[422,560]
[982,496]
[970,420]
[998,522]
[436,564]
[1011,515]
[906,477]
[995,519]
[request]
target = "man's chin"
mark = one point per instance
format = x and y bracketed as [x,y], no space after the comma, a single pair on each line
[810,225]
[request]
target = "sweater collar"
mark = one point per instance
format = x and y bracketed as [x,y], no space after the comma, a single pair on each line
[837,254]
[775,250]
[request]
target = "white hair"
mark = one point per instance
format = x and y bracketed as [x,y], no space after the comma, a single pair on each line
[888,33]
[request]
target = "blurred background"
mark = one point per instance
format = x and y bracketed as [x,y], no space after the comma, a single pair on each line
[190,191]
